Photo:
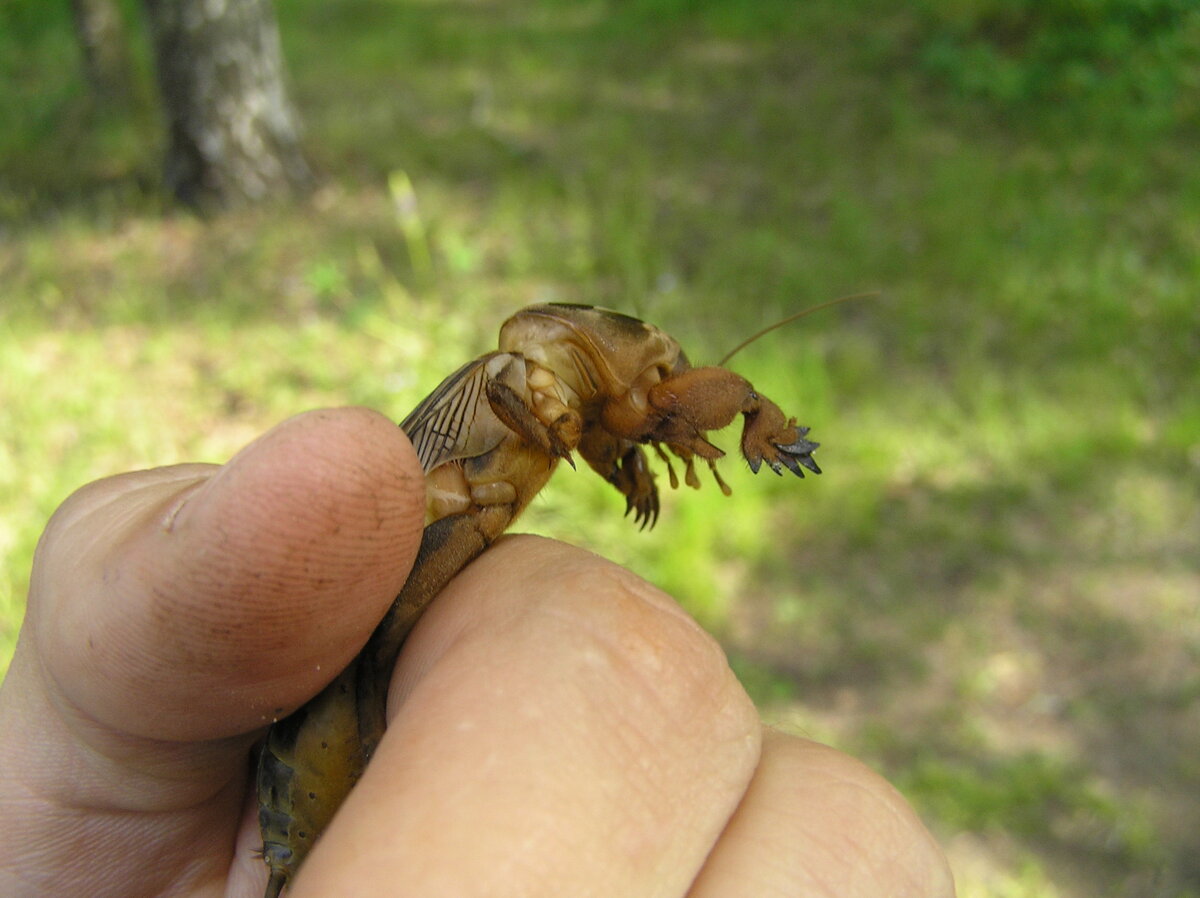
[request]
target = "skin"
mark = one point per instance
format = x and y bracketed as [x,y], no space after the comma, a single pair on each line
[558,726]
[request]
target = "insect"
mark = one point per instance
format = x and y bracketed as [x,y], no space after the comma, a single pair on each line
[566,379]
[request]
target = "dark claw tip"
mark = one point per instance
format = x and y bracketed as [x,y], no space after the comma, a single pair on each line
[793,465]
[800,453]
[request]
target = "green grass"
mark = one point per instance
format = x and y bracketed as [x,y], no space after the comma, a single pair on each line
[991,593]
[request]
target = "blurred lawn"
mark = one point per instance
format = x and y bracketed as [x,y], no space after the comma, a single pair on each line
[993,593]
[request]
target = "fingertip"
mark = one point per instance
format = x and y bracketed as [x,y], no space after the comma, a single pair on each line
[557,719]
[881,832]
[225,599]
[524,582]
[816,821]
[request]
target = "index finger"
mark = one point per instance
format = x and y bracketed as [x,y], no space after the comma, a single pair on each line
[560,728]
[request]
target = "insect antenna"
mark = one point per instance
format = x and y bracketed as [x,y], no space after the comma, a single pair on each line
[790,318]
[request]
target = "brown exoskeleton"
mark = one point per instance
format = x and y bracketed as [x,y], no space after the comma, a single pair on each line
[566,378]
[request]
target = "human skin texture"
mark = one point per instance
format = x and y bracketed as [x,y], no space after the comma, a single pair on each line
[557,725]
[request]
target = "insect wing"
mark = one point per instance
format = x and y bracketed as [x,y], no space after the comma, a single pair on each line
[456,419]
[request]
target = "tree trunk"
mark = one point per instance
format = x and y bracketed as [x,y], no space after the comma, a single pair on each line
[232,133]
[105,52]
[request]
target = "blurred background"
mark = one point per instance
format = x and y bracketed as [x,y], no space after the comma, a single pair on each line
[992,592]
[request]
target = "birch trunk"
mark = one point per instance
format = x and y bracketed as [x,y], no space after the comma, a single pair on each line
[232,133]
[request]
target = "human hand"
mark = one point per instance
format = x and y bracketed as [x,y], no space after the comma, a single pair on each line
[558,726]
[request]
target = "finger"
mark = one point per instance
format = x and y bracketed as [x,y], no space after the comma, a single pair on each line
[816,823]
[193,603]
[560,728]
[174,605]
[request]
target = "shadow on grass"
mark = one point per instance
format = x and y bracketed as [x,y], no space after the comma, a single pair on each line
[1020,658]
[626,150]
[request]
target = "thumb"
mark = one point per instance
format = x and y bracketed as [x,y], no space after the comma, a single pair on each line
[198,602]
